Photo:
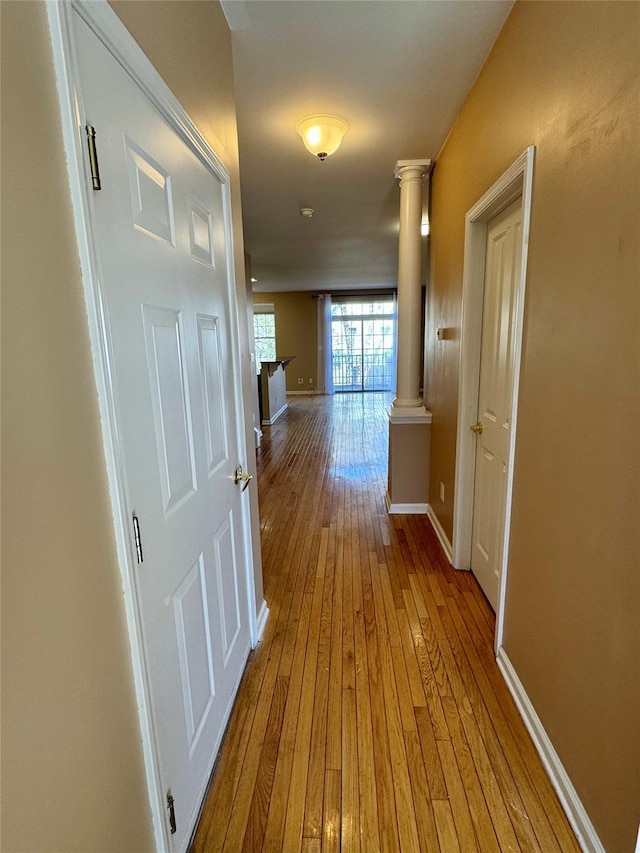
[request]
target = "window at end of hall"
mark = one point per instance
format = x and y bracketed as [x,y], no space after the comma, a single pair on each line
[264,330]
[363,343]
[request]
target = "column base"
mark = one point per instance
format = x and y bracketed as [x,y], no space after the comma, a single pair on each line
[409,414]
[409,452]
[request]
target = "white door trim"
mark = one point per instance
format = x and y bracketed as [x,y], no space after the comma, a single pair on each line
[114,35]
[516,181]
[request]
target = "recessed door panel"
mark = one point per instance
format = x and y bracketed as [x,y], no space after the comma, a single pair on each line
[226,575]
[483,531]
[193,638]
[200,231]
[211,366]
[150,189]
[171,407]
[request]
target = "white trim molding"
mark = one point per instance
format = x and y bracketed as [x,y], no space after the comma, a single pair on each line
[261,623]
[409,415]
[405,509]
[275,417]
[438,529]
[567,794]
[516,182]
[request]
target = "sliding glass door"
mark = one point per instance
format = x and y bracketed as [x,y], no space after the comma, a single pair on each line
[363,345]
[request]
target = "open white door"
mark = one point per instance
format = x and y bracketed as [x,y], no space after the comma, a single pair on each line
[162,246]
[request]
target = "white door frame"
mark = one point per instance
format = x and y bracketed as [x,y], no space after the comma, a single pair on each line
[113,34]
[516,181]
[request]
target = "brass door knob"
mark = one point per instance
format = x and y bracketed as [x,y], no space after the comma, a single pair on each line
[239,476]
[477,428]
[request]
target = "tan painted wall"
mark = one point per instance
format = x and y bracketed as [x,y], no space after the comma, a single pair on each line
[408,467]
[72,775]
[564,77]
[296,334]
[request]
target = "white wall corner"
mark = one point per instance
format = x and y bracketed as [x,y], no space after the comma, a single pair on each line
[443,539]
[567,794]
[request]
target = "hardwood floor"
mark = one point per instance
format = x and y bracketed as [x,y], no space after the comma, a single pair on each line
[372,716]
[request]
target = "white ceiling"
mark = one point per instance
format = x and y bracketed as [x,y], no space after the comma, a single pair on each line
[397,71]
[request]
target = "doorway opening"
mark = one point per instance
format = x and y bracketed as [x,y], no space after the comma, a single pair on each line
[363,344]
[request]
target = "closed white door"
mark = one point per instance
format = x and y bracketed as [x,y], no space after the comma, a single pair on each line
[502,271]
[161,230]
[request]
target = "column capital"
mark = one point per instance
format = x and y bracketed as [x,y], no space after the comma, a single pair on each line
[412,169]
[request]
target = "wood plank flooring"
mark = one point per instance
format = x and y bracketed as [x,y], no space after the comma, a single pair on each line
[372,715]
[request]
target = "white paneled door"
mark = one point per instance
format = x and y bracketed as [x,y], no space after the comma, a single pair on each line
[502,272]
[162,238]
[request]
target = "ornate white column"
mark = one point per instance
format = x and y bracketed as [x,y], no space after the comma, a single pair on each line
[409,421]
[411,174]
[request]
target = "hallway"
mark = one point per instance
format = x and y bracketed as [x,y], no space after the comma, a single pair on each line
[372,716]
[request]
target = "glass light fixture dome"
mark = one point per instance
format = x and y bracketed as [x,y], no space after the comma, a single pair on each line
[322,134]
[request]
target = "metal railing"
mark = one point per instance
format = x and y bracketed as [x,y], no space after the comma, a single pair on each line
[363,371]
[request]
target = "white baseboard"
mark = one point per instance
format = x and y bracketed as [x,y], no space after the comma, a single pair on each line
[571,803]
[404,509]
[275,417]
[442,536]
[261,622]
[303,393]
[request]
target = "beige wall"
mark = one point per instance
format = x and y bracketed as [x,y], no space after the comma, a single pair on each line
[72,773]
[408,466]
[296,334]
[564,77]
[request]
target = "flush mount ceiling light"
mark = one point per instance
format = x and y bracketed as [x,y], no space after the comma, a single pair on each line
[322,135]
[306,211]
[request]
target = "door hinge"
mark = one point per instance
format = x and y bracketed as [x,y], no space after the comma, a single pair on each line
[137,539]
[93,157]
[172,813]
